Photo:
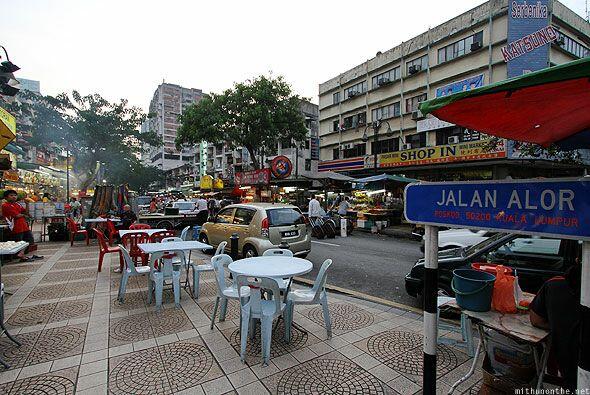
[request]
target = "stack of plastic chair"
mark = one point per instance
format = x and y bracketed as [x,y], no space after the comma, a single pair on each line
[166,272]
[254,307]
[75,229]
[316,295]
[130,270]
[111,231]
[159,236]
[136,226]
[201,268]
[131,241]
[225,291]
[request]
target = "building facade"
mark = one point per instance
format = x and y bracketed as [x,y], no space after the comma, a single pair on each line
[168,103]
[369,115]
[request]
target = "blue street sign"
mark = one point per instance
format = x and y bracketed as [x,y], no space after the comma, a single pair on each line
[558,207]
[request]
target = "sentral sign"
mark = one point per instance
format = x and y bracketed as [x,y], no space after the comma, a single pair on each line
[529,36]
[545,207]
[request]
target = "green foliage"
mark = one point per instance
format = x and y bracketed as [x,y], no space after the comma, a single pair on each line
[254,114]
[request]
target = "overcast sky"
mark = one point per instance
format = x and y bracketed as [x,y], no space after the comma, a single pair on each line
[125,48]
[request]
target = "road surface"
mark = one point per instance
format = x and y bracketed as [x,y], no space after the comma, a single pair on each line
[371,264]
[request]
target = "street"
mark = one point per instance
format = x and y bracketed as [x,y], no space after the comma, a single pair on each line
[367,263]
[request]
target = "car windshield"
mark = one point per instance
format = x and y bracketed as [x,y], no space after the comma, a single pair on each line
[184,205]
[284,216]
[480,246]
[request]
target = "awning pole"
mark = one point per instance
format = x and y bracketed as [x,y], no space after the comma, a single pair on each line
[430,295]
[584,358]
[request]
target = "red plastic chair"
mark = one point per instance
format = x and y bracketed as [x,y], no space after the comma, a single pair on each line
[75,229]
[106,249]
[139,226]
[131,240]
[158,236]
[111,231]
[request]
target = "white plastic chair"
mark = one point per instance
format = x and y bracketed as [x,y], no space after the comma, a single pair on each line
[254,307]
[316,295]
[207,267]
[225,291]
[129,270]
[166,272]
[283,282]
[184,234]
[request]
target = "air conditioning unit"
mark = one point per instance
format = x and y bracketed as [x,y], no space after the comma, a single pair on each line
[453,139]
[417,115]
[414,69]
[406,146]
[346,146]
[383,81]
[352,93]
[475,46]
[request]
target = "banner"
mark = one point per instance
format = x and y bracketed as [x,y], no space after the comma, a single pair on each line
[253,177]
[544,207]
[206,182]
[7,128]
[471,150]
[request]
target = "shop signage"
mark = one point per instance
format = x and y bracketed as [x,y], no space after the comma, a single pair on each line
[315,148]
[529,32]
[471,150]
[281,167]
[253,177]
[356,163]
[218,183]
[7,128]
[11,175]
[460,86]
[206,182]
[558,207]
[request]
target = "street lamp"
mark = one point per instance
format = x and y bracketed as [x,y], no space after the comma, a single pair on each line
[376,125]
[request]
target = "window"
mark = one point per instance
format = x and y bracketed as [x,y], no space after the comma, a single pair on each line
[572,46]
[284,216]
[308,165]
[336,98]
[384,78]
[384,146]
[442,136]
[416,140]
[355,90]
[389,111]
[520,252]
[335,125]
[243,216]
[413,102]
[171,157]
[356,150]
[417,64]
[459,48]
[224,216]
[336,153]
[355,120]
[306,144]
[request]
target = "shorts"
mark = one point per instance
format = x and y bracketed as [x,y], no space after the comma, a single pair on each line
[24,236]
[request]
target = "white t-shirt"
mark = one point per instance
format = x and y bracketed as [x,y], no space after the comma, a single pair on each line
[201,205]
[314,209]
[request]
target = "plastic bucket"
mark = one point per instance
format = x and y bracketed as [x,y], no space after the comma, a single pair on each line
[473,289]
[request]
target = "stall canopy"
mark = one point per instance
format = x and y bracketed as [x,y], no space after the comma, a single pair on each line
[546,107]
[385,177]
[330,175]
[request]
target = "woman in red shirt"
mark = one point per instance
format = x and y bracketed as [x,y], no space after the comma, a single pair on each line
[16,214]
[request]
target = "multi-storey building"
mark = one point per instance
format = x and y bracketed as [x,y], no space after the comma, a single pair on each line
[369,115]
[168,103]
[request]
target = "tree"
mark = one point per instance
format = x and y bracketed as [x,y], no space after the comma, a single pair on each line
[94,131]
[255,114]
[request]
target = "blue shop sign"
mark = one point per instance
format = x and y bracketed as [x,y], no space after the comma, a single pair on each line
[558,207]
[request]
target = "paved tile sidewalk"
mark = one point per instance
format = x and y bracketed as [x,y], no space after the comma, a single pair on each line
[77,338]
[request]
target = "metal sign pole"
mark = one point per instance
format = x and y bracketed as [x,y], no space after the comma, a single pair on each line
[584,358]
[430,294]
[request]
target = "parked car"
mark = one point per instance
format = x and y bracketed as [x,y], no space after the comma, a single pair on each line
[260,226]
[534,259]
[454,238]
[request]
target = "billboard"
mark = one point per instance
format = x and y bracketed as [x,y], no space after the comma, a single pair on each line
[253,177]
[469,150]
[529,36]
[546,207]
[460,86]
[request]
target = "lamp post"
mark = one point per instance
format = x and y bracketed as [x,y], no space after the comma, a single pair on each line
[376,125]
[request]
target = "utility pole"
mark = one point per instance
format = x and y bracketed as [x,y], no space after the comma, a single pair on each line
[67,175]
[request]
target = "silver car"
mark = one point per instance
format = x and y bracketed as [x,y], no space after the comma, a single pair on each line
[260,226]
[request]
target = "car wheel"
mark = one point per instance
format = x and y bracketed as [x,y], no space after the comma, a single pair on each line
[249,252]
[205,240]
[165,225]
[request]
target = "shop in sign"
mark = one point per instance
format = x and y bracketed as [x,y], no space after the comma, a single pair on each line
[473,150]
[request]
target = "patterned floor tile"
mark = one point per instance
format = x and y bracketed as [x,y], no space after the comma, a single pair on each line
[345,317]
[147,325]
[60,383]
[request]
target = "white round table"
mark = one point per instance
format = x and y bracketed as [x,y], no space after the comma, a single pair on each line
[271,266]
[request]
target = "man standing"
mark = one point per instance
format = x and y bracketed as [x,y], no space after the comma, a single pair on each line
[202,211]
[314,208]
[75,206]
[16,215]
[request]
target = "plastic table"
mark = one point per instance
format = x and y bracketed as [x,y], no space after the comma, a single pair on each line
[100,220]
[149,232]
[271,266]
[150,248]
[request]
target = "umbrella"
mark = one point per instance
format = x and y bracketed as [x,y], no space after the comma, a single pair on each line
[330,175]
[546,107]
[385,177]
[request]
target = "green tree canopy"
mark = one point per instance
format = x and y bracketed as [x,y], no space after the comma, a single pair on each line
[255,114]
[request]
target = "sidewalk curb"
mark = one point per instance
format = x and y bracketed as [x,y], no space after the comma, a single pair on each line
[363,296]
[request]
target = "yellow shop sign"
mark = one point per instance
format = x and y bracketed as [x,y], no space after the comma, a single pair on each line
[7,128]
[466,151]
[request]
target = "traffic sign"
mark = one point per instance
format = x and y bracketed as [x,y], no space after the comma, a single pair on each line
[546,207]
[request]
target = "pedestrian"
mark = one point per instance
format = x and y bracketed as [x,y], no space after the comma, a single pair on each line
[153,206]
[75,206]
[202,211]
[127,217]
[343,206]
[314,209]
[556,307]
[16,216]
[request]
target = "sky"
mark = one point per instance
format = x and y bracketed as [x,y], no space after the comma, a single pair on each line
[125,48]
